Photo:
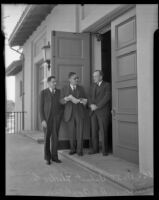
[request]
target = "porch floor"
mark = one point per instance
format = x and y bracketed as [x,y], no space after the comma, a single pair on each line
[119,171]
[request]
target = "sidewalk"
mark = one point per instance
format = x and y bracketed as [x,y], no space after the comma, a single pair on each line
[117,170]
[27,174]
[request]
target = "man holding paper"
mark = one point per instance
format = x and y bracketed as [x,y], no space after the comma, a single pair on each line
[74,99]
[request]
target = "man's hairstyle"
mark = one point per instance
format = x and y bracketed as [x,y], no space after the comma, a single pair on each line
[49,78]
[100,72]
[71,74]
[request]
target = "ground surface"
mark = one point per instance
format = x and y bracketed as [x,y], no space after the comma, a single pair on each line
[27,173]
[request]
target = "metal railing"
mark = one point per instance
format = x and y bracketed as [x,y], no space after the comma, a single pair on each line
[14,122]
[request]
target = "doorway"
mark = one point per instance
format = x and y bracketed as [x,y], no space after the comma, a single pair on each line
[40,86]
[106,69]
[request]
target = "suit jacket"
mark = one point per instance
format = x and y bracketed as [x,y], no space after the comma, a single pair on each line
[101,97]
[45,104]
[69,106]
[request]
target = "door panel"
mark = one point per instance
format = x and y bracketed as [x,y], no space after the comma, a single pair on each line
[71,53]
[125,32]
[124,87]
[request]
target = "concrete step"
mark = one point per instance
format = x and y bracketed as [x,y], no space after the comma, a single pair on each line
[119,171]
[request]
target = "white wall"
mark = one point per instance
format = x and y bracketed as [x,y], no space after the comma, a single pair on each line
[18,98]
[62,18]
[94,12]
[27,86]
[146,25]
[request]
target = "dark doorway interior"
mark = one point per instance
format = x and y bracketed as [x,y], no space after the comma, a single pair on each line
[106,68]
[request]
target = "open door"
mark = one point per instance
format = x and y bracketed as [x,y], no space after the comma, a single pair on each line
[124,87]
[71,53]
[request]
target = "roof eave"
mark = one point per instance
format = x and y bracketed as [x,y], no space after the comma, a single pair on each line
[23,29]
[14,68]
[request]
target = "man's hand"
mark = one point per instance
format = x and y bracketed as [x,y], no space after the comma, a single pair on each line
[72,98]
[93,107]
[75,100]
[83,101]
[68,98]
[44,124]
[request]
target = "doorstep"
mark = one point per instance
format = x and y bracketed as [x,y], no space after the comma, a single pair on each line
[119,171]
[38,136]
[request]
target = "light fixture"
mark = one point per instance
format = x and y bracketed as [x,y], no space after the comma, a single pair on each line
[46,55]
[98,37]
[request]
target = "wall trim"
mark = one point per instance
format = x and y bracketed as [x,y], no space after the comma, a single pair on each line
[106,20]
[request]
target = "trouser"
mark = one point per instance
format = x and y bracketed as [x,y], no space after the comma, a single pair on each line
[75,129]
[51,137]
[99,125]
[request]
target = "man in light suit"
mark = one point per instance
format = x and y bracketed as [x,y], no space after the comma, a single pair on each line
[99,103]
[50,113]
[74,99]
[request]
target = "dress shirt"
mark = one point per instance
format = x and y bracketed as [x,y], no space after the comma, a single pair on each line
[73,87]
[99,83]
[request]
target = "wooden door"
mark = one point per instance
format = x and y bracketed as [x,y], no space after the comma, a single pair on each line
[71,53]
[124,87]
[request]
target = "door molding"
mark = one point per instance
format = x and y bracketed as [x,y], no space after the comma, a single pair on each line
[104,21]
[36,64]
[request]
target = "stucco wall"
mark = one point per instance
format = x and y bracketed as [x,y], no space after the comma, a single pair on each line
[93,13]
[27,86]
[146,25]
[18,98]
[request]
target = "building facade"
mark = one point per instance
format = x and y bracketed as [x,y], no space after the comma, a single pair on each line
[115,38]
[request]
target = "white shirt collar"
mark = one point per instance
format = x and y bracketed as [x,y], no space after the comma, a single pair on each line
[73,86]
[100,83]
[51,90]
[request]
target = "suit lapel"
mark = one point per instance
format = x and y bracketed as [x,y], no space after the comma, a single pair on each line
[94,91]
[48,100]
[77,91]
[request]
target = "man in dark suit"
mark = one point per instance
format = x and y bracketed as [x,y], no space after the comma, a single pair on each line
[74,99]
[50,114]
[99,103]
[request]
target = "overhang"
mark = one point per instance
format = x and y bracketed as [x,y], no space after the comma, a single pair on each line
[14,68]
[30,19]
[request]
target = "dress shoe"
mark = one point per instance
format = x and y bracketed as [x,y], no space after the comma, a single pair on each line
[57,160]
[105,154]
[92,152]
[80,153]
[48,162]
[72,152]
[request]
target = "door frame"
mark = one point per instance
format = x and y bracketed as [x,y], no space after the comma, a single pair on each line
[102,28]
[36,64]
